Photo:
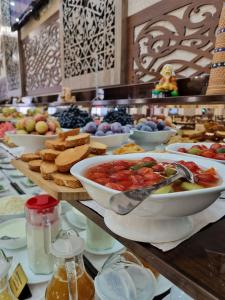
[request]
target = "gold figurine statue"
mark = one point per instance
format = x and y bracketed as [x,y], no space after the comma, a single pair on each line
[167,83]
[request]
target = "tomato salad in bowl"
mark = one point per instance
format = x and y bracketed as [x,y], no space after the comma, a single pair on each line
[213,151]
[178,200]
[123,175]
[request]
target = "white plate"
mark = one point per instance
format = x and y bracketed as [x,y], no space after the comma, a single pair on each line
[27,183]
[116,247]
[5,160]
[7,167]
[19,242]
[163,285]
[21,256]
[16,174]
[78,221]
[173,148]
[5,188]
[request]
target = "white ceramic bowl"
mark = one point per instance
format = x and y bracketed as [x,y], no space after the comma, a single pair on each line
[173,148]
[159,218]
[152,138]
[30,142]
[13,243]
[114,140]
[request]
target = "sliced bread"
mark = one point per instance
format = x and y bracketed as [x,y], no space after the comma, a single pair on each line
[47,170]
[29,156]
[64,135]
[97,148]
[77,140]
[65,160]
[49,154]
[34,165]
[66,180]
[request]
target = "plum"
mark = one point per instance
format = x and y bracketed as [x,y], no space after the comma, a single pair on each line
[146,128]
[138,127]
[100,133]
[90,127]
[166,128]
[116,127]
[126,129]
[109,132]
[152,124]
[104,127]
[161,125]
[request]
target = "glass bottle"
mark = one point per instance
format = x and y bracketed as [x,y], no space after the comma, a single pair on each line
[5,293]
[70,280]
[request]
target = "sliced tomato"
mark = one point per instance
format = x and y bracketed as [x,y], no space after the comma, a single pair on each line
[115,186]
[158,168]
[206,180]
[154,177]
[211,171]
[148,159]
[220,156]
[144,171]
[184,150]
[136,179]
[118,176]
[193,167]
[214,147]
[208,154]
[102,181]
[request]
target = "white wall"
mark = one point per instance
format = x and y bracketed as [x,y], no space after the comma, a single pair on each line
[135,6]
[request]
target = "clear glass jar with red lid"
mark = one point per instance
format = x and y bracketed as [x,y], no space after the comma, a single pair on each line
[43,224]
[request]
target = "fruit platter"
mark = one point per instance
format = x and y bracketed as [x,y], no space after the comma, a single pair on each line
[4,127]
[152,132]
[113,135]
[168,210]
[31,132]
[212,151]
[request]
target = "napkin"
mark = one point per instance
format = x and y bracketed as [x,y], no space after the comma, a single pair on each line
[210,215]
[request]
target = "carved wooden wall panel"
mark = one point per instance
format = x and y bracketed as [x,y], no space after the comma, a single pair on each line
[42,60]
[12,64]
[180,32]
[10,71]
[92,42]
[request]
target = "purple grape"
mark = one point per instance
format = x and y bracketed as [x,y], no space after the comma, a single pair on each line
[104,127]
[109,133]
[129,126]
[116,127]
[90,128]
[99,133]
[161,125]
[138,126]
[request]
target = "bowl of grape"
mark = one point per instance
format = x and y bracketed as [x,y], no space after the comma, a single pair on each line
[113,135]
[152,133]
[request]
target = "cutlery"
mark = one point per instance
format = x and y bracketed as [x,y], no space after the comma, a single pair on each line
[14,184]
[124,202]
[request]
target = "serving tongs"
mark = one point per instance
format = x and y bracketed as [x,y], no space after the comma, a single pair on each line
[123,203]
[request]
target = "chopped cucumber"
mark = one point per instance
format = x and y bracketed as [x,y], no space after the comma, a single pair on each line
[142,165]
[164,190]
[187,186]
[194,151]
[220,150]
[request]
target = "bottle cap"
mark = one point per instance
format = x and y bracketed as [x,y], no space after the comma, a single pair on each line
[41,202]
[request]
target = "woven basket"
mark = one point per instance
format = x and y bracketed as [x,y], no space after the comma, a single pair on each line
[217,74]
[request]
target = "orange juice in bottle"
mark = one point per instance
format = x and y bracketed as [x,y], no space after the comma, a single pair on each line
[70,280]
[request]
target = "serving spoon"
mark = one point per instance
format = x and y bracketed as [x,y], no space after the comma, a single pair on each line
[123,203]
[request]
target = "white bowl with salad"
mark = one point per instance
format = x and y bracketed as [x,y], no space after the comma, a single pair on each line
[164,216]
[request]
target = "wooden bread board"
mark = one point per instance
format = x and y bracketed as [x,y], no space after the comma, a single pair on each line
[56,191]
